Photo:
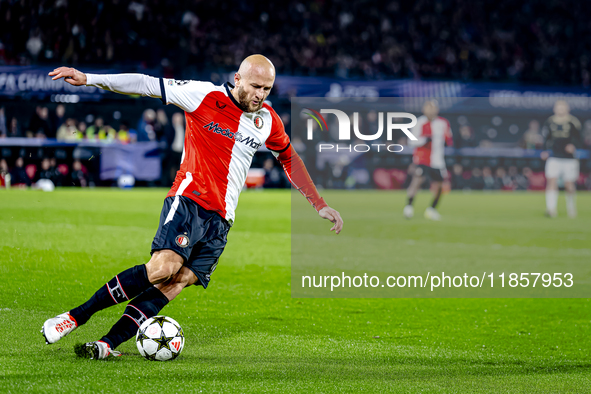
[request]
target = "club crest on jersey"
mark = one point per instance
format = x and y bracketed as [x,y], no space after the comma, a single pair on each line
[258,122]
[182,241]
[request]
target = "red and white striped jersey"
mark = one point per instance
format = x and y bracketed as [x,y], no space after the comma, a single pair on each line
[220,142]
[432,136]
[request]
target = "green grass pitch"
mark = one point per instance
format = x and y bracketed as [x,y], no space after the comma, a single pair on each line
[246,334]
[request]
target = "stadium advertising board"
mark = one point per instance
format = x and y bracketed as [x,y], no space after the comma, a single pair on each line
[33,81]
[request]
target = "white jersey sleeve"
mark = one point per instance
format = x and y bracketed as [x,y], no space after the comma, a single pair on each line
[417,131]
[187,95]
[126,83]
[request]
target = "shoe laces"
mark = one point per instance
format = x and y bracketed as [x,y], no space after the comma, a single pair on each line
[113,352]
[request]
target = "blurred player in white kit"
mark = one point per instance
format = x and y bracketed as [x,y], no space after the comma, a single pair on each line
[561,138]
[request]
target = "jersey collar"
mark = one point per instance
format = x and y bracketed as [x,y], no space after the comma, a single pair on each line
[229,87]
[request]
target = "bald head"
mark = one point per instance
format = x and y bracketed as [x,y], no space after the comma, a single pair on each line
[257,65]
[253,82]
[431,109]
[561,108]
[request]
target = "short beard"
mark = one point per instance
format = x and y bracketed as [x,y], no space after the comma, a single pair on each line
[244,103]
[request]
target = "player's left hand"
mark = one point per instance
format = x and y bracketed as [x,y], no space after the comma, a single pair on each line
[570,148]
[334,216]
[70,75]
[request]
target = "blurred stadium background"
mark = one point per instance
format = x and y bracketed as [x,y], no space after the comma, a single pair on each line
[526,51]
[512,59]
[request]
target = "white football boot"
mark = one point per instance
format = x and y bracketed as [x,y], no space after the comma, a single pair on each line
[97,350]
[432,214]
[58,327]
[408,211]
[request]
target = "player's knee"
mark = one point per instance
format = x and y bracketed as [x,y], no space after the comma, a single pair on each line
[162,274]
[161,269]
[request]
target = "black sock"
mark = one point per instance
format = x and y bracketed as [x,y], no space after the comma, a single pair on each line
[121,288]
[410,200]
[141,308]
[436,199]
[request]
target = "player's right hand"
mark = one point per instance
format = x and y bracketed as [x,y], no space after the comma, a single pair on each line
[544,155]
[334,216]
[70,75]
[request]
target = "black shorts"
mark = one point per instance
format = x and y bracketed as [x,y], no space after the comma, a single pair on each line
[198,235]
[435,174]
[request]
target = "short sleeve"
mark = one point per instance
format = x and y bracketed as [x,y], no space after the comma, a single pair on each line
[278,140]
[417,130]
[187,95]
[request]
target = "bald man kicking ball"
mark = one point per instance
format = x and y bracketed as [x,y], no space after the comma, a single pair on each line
[225,127]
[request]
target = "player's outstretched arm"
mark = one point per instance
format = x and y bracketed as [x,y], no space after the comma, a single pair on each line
[299,177]
[140,84]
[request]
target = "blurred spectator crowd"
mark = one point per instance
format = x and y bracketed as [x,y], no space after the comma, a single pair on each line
[22,176]
[507,179]
[500,179]
[535,40]
[459,177]
[153,125]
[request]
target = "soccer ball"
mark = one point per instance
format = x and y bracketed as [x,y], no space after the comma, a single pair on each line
[160,338]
